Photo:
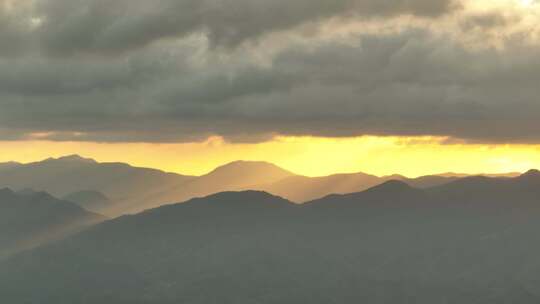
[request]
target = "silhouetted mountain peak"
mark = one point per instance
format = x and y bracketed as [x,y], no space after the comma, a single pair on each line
[388,191]
[531,178]
[68,159]
[245,197]
[534,173]
[392,186]
[223,204]
[240,175]
[6,192]
[253,166]
[75,158]
[394,177]
[9,165]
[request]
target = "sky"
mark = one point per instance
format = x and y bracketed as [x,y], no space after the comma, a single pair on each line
[319,87]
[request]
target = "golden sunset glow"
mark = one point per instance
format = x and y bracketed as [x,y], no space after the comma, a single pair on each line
[526,3]
[309,156]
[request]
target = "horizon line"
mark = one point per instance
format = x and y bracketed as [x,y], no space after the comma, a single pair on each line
[456,174]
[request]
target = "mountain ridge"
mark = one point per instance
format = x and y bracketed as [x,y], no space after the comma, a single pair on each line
[34,218]
[133,189]
[381,245]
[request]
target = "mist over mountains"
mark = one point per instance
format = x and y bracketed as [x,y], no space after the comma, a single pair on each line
[29,219]
[226,239]
[90,200]
[64,176]
[472,240]
[126,189]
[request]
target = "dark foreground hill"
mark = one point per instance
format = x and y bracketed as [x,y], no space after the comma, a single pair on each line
[29,219]
[460,243]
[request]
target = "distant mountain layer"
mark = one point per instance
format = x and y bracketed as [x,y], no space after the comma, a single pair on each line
[90,200]
[474,240]
[302,189]
[236,176]
[130,189]
[121,183]
[29,219]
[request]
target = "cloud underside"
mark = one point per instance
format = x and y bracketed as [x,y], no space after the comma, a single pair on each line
[184,70]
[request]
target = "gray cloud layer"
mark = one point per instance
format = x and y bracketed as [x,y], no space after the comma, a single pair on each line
[135,71]
[74,26]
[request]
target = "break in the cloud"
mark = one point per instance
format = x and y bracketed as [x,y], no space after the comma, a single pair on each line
[183,70]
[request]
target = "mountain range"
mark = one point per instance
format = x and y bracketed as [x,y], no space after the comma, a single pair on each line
[122,188]
[29,219]
[472,240]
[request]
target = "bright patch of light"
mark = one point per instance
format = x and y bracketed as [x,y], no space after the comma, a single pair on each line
[527,3]
[36,22]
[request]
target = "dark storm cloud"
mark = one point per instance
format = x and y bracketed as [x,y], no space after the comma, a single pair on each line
[15,28]
[414,81]
[100,26]
[409,83]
